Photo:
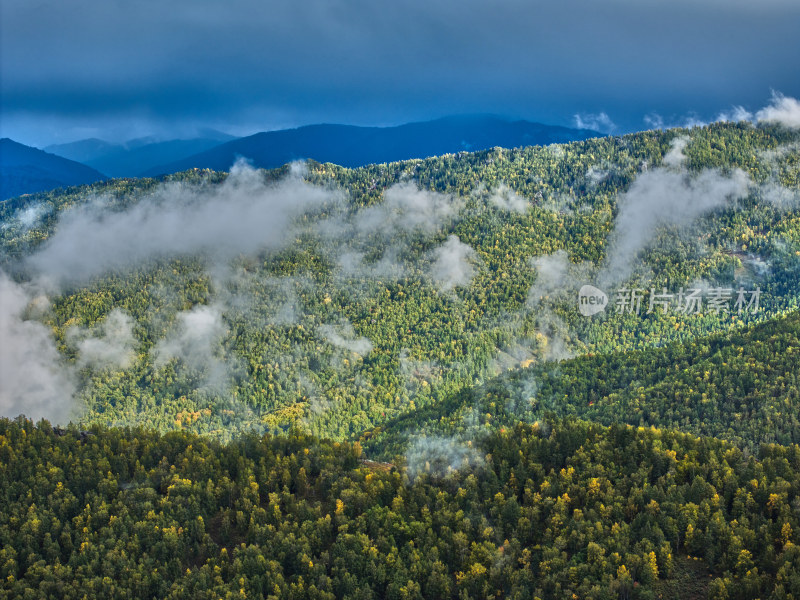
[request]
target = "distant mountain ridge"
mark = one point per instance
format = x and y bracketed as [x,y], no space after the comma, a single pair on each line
[353,146]
[135,157]
[26,170]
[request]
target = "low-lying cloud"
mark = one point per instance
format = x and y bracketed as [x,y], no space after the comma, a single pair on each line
[675,157]
[194,341]
[453,264]
[344,336]
[380,231]
[737,114]
[389,266]
[553,336]
[416,373]
[30,216]
[595,121]
[109,345]
[556,276]
[242,215]
[551,275]
[656,121]
[507,199]
[782,110]
[406,208]
[34,380]
[666,197]
[440,456]
[779,196]
[595,175]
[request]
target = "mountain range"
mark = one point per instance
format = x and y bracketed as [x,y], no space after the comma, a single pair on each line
[135,157]
[35,170]
[345,145]
[351,146]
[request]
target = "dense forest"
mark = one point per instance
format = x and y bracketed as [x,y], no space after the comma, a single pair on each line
[554,510]
[377,383]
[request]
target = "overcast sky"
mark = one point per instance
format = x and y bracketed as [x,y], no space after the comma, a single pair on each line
[117,69]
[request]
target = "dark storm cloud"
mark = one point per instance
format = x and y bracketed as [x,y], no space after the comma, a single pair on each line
[274,63]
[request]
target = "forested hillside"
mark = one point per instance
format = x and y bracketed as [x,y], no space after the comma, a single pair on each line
[338,299]
[741,386]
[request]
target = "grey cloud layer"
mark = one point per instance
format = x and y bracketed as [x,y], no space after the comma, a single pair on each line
[289,63]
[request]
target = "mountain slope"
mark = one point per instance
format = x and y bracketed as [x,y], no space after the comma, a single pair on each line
[741,386]
[351,146]
[26,170]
